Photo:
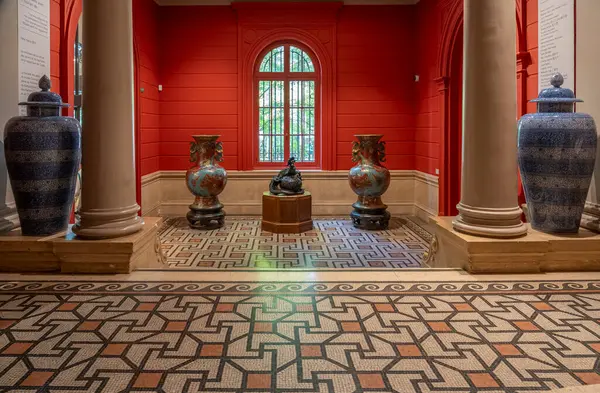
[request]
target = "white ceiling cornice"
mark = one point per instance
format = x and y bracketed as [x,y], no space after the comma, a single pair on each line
[228,2]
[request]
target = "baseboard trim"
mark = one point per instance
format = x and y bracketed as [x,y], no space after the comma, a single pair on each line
[179,207]
[154,211]
[153,177]
[307,175]
[423,177]
[424,213]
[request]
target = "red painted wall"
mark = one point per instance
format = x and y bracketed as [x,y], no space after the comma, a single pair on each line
[193,52]
[531,25]
[375,86]
[198,49]
[55,35]
[147,75]
[429,15]
[200,79]
[432,16]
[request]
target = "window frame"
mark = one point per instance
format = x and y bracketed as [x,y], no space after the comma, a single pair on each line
[286,76]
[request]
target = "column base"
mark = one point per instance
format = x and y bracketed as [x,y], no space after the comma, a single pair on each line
[535,253]
[66,253]
[591,217]
[107,224]
[495,223]
[9,219]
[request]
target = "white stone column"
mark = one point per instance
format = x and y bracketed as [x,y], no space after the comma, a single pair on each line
[108,198]
[588,88]
[489,205]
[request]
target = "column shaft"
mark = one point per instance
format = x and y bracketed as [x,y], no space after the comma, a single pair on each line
[108,199]
[489,205]
[588,88]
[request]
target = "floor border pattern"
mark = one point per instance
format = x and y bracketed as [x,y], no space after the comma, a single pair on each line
[285,337]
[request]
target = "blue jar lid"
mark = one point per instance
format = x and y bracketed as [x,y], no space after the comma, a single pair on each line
[557,94]
[44,98]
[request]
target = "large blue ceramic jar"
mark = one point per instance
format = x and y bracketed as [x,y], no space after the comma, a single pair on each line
[43,152]
[557,152]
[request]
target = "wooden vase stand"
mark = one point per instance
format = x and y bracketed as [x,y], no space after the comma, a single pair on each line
[287,213]
[370,214]
[206,217]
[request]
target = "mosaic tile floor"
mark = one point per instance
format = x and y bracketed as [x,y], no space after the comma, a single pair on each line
[342,337]
[333,243]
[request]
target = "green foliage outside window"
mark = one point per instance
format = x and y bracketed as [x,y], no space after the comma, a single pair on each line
[272,97]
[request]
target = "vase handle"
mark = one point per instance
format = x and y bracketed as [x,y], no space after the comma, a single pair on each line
[193,152]
[219,151]
[356,156]
[381,151]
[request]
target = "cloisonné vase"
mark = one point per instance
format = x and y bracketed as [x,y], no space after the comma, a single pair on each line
[369,180]
[206,180]
[43,152]
[557,153]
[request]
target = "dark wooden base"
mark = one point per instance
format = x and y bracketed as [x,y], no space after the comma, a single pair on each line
[370,219]
[287,213]
[210,218]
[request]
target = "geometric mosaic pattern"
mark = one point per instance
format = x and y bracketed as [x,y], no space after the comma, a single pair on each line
[288,337]
[333,243]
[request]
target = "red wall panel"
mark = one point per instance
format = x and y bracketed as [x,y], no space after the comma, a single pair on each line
[375,86]
[55,37]
[532,48]
[199,76]
[431,17]
[146,39]
[428,40]
[193,53]
[374,80]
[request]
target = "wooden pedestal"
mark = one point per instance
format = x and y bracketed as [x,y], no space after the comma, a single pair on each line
[537,252]
[65,253]
[287,214]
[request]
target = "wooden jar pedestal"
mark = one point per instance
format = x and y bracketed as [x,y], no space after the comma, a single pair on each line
[287,214]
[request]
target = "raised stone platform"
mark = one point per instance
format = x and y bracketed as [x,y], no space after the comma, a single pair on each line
[536,252]
[66,254]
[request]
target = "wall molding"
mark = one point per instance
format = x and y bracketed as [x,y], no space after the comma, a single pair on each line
[154,177]
[229,2]
[411,192]
[306,175]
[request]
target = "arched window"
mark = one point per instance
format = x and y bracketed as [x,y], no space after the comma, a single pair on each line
[287,84]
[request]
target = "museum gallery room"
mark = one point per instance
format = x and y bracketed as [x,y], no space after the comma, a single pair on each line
[324,196]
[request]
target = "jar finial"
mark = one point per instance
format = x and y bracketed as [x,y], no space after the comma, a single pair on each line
[557,80]
[45,84]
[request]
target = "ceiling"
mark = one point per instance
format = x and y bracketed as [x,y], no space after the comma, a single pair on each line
[228,2]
